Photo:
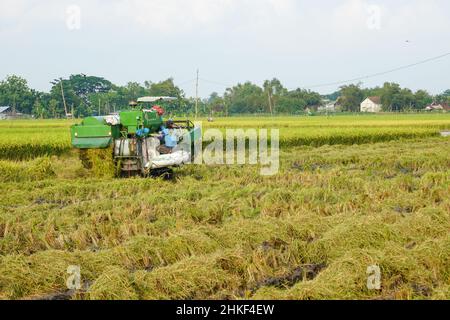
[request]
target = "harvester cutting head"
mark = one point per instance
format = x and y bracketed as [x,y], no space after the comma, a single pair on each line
[139,138]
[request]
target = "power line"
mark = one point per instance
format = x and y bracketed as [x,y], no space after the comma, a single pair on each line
[216,83]
[343,81]
[186,82]
[379,73]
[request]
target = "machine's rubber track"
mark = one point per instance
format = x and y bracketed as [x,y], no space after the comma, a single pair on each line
[165,173]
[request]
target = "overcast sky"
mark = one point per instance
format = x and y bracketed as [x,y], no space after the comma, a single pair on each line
[303,43]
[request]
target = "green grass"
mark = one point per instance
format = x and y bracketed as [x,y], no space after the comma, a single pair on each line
[230,233]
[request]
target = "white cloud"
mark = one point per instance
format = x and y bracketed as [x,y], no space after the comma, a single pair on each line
[269,37]
[419,16]
[23,16]
[178,16]
[343,19]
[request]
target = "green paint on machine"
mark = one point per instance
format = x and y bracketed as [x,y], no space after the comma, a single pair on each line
[135,134]
[93,133]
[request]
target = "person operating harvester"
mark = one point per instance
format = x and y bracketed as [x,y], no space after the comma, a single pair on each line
[168,137]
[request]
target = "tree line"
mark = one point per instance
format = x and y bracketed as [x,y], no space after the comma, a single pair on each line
[82,95]
[393,97]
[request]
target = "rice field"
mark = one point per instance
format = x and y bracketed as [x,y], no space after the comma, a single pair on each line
[22,140]
[352,192]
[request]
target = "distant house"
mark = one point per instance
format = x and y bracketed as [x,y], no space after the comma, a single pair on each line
[329,106]
[438,107]
[372,104]
[4,112]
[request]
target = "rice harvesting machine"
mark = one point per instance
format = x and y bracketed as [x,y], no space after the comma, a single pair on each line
[142,143]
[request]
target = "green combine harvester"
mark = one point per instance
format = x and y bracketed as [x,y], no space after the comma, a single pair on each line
[141,142]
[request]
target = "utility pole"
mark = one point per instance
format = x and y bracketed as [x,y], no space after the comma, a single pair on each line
[225,104]
[14,104]
[99,107]
[62,94]
[270,102]
[196,96]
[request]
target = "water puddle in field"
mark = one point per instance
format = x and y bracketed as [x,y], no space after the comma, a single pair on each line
[445,133]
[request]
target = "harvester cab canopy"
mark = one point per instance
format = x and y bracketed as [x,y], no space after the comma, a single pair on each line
[155,99]
[153,104]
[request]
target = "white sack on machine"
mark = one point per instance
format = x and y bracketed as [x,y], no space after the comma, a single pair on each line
[167,160]
[112,120]
[150,149]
